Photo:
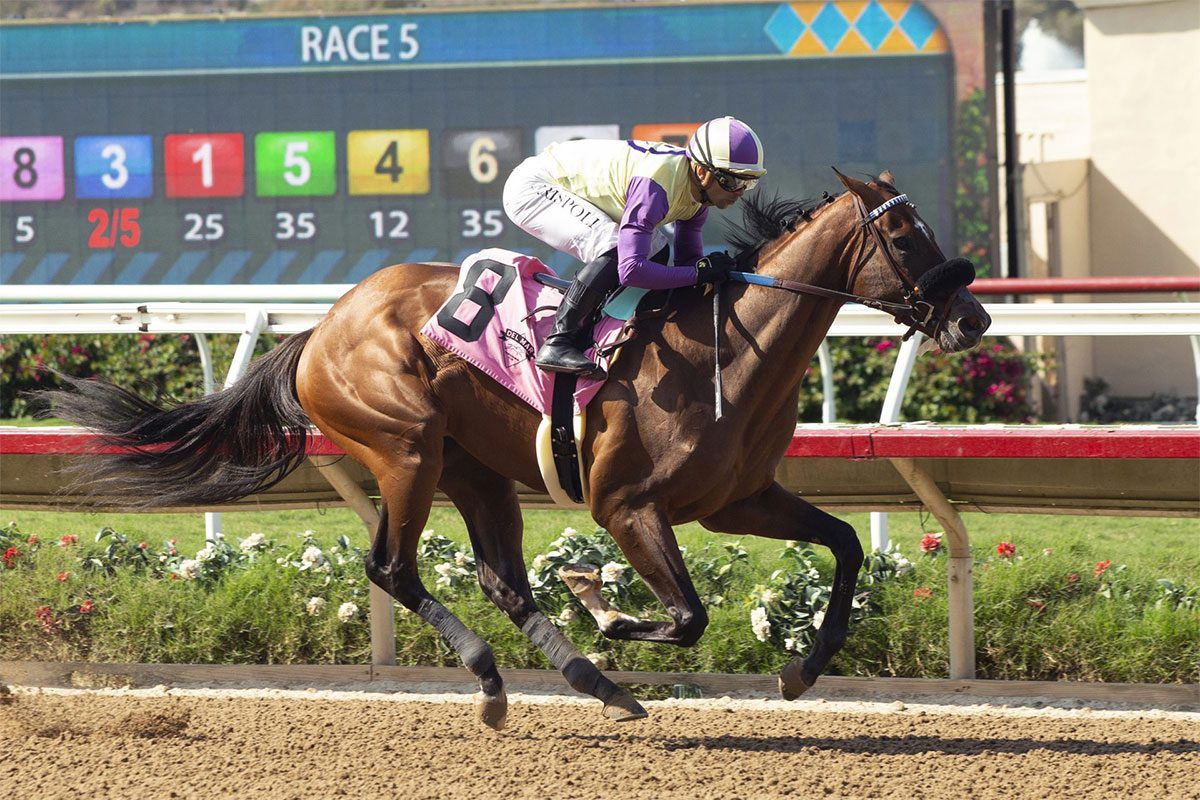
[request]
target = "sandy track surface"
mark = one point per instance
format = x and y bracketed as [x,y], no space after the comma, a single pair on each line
[275,744]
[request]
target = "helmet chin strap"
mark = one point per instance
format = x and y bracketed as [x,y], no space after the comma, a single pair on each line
[704,198]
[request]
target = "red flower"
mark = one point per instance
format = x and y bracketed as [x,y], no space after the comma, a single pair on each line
[62,576]
[46,617]
[68,539]
[10,557]
[86,607]
[1073,577]
[1101,567]
[141,545]
[883,345]
[1037,605]
[922,593]
[31,540]
[1006,549]
[931,543]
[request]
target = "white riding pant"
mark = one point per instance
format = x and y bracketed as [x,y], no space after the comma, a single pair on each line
[565,221]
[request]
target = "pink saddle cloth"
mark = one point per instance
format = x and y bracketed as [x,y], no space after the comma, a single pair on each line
[499,316]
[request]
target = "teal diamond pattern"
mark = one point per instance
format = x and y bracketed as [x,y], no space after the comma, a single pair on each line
[874,24]
[784,28]
[829,26]
[918,24]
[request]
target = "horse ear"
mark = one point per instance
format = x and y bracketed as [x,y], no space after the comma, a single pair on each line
[887,177]
[853,184]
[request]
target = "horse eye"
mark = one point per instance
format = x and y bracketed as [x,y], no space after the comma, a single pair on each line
[902,243]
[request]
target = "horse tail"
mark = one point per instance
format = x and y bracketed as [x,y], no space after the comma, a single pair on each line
[220,448]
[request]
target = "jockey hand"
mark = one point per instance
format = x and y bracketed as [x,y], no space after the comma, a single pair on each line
[714,268]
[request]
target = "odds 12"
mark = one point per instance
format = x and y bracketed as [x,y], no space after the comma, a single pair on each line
[388,162]
[295,164]
[475,162]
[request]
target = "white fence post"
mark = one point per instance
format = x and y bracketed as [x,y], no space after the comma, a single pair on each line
[892,403]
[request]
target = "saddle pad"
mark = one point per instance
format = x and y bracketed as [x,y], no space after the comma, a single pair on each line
[493,322]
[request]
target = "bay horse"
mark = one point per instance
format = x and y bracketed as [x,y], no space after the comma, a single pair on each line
[655,452]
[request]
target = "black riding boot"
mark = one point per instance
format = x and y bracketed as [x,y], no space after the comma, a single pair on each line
[563,349]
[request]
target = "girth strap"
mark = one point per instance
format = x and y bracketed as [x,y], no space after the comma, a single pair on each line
[562,435]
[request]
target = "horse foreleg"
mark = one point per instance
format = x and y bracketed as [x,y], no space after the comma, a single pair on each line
[776,513]
[647,540]
[488,504]
[392,565]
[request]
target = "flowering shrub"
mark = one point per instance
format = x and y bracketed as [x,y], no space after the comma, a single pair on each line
[791,607]
[989,384]
[596,550]
[454,565]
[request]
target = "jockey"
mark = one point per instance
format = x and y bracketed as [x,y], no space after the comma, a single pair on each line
[604,201]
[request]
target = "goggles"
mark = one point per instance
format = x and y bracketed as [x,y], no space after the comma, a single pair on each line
[734,183]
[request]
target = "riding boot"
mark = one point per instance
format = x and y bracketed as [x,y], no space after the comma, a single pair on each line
[563,349]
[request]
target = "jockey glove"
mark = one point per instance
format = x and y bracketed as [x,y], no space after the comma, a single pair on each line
[714,268]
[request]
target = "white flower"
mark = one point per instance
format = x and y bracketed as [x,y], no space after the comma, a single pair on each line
[716,600]
[314,606]
[566,615]
[189,568]
[759,624]
[326,568]
[789,643]
[341,559]
[792,543]
[313,556]
[539,561]
[347,611]
[599,659]
[818,618]
[252,541]
[445,569]
[768,596]
[281,561]
[903,566]
[611,572]
[570,532]
[427,534]
[206,553]
[309,534]
[460,558]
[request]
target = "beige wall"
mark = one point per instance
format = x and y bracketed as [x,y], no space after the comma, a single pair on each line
[1143,65]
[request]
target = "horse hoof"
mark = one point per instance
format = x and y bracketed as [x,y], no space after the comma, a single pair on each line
[492,710]
[791,681]
[623,708]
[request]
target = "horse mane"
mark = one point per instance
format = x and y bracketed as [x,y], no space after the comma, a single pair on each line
[764,220]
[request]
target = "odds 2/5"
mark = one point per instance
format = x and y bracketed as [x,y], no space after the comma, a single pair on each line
[357,43]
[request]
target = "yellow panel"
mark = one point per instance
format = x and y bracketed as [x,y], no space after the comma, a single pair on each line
[896,42]
[388,162]
[937,43]
[895,8]
[853,44]
[808,45]
[851,10]
[807,11]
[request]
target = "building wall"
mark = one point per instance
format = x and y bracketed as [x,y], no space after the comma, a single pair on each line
[1143,64]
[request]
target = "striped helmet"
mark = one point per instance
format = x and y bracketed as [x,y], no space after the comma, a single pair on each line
[727,144]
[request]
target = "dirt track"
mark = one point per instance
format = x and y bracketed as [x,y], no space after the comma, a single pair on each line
[130,745]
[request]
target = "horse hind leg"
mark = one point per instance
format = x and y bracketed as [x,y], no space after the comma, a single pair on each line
[392,565]
[488,504]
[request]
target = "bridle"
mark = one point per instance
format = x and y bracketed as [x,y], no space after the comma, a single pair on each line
[916,312]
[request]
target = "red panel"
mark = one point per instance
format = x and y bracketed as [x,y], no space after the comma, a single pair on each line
[1112,284]
[843,441]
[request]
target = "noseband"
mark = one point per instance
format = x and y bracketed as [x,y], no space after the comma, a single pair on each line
[916,312]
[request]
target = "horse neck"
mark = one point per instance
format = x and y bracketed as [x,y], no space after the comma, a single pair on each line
[821,252]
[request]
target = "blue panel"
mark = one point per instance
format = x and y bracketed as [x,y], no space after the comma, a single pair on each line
[784,28]
[370,261]
[320,267]
[48,267]
[92,269]
[183,267]
[874,24]
[228,267]
[919,24]
[830,26]
[137,268]
[270,270]
[9,262]
[113,166]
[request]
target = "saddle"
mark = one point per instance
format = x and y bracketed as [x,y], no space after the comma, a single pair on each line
[501,311]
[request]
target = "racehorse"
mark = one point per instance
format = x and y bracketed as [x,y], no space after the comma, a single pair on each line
[655,452]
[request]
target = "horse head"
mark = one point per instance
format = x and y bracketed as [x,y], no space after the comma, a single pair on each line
[900,265]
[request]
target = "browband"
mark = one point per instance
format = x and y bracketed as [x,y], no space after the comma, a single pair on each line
[887,205]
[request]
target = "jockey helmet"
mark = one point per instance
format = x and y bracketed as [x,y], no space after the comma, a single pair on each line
[726,144]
